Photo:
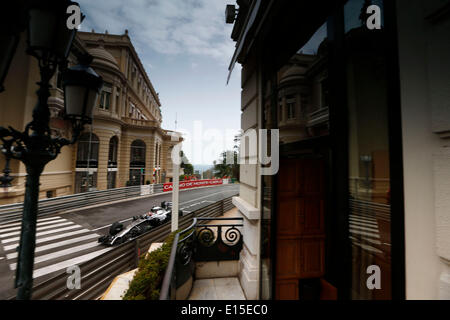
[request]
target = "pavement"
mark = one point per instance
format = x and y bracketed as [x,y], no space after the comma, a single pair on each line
[68,239]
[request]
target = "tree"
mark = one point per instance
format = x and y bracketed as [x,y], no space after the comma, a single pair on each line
[222,169]
[187,167]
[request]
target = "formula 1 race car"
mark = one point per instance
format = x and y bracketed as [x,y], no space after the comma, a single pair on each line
[141,224]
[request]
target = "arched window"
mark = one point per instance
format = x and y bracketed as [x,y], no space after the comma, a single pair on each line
[112,162]
[112,155]
[87,151]
[87,163]
[137,162]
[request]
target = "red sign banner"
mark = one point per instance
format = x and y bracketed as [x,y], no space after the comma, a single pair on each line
[193,184]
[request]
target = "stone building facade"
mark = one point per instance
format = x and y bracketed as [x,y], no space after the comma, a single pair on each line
[124,146]
[364,120]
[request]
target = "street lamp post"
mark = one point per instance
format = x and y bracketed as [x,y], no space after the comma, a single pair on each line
[49,41]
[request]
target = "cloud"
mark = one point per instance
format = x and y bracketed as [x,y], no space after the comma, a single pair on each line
[172,27]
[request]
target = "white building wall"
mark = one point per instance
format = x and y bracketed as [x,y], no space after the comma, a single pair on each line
[248,200]
[424,51]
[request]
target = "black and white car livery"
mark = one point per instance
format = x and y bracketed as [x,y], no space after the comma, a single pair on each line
[141,224]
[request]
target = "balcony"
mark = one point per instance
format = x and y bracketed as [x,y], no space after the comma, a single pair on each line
[140,122]
[204,261]
[318,117]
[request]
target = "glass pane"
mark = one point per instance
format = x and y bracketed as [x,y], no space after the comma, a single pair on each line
[369,175]
[270,111]
[85,182]
[303,91]
[87,151]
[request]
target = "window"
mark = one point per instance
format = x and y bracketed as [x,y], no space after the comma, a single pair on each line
[112,155]
[131,110]
[87,151]
[112,179]
[137,162]
[105,97]
[280,109]
[369,197]
[85,181]
[290,107]
[137,158]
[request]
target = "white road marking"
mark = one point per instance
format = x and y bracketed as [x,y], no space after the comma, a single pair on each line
[58,254]
[364,233]
[38,224]
[64,264]
[56,245]
[366,224]
[363,220]
[182,208]
[222,192]
[19,223]
[64,235]
[37,229]
[364,228]
[43,233]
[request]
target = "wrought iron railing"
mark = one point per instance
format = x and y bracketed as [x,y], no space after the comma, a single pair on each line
[197,243]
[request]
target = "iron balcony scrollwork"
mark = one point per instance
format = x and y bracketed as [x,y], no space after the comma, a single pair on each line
[218,242]
[200,243]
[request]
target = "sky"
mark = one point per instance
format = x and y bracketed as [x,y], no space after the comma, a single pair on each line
[185,47]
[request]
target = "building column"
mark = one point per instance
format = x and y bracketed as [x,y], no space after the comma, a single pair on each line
[114,99]
[249,257]
[103,152]
[123,166]
[149,158]
[248,200]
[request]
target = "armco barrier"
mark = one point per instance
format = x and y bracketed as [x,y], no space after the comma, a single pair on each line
[13,212]
[97,274]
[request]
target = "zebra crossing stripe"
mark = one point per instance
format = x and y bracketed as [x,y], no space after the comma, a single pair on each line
[56,245]
[38,224]
[44,233]
[361,218]
[58,254]
[68,263]
[368,224]
[6,235]
[19,223]
[373,235]
[47,239]
[364,228]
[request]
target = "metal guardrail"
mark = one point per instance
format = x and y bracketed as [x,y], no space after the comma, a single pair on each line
[13,212]
[97,274]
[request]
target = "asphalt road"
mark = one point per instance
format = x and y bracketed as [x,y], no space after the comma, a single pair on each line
[69,239]
[100,219]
